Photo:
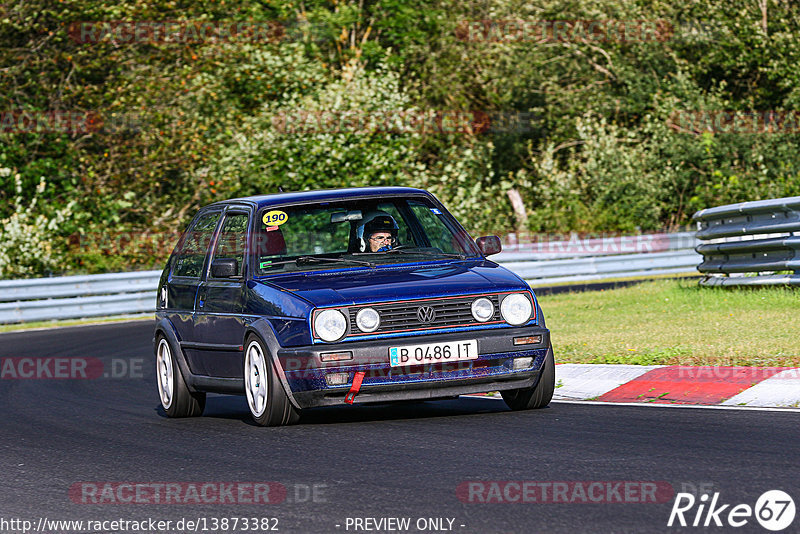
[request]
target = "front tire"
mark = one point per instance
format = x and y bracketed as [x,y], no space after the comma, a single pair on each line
[539,395]
[176,399]
[266,398]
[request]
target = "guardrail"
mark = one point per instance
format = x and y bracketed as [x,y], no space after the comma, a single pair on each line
[546,262]
[74,297]
[580,260]
[750,243]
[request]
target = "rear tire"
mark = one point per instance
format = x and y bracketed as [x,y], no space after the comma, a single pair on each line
[176,399]
[268,402]
[539,395]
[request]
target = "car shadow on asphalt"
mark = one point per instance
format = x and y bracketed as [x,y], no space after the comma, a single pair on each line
[235,408]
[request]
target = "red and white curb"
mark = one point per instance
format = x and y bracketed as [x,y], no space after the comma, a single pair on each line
[676,384]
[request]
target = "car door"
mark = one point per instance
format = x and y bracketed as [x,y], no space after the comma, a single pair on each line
[185,275]
[219,323]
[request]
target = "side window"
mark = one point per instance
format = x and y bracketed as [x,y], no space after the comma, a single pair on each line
[232,238]
[438,234]
[192,254]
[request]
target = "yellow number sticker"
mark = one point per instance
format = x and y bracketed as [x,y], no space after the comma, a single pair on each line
[275,218]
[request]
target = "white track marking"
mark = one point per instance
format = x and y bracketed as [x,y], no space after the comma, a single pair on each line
[782,389]
[657,405]
[585,381]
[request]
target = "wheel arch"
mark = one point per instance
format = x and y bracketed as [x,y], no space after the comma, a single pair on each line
[164,327]
[263,329]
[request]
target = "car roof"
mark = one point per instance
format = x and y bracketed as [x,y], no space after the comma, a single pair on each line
[261,201]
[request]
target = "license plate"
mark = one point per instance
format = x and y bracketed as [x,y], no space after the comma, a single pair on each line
[452,351]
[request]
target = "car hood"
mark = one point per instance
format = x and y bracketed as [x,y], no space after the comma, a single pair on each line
[397,282]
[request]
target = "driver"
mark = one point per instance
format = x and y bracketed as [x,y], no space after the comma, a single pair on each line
[377,232]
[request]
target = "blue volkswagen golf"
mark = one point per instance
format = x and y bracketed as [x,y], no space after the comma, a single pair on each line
[320,298]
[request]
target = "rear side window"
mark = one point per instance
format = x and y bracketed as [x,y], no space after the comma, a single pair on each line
[231,240]
[192,254]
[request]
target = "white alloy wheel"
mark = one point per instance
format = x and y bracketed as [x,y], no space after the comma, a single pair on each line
[256,379]
[269,405]
[164,372]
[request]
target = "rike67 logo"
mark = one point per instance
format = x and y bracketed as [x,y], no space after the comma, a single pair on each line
[774,510]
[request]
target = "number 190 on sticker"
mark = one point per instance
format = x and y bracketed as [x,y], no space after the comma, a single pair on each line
[453,351]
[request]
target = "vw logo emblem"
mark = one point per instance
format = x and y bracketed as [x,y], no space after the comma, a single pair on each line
[426,314]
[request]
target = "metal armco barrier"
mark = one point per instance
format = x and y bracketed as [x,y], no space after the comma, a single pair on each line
[747,243]
[605,267]
[577,247]
[597,259]
[74,297]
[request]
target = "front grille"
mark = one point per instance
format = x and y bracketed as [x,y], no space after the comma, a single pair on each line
[403,316]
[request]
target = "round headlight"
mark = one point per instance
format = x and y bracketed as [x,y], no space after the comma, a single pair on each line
[368,320]
[516,309]
[330,325]
[482,309]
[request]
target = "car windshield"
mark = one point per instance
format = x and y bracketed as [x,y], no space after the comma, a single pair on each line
[355,233]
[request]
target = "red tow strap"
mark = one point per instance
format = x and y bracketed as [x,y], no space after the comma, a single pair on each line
[351,395]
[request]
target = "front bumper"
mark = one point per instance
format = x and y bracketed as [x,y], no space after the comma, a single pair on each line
[492,371]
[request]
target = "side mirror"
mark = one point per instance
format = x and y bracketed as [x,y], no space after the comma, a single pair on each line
[489,244]
[224,268]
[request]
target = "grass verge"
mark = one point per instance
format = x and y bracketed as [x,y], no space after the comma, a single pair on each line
[676,322]
[544,283]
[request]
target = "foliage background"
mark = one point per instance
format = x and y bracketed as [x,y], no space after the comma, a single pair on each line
[188,124]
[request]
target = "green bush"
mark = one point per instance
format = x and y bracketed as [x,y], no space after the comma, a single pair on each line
[188,124]
[27,234]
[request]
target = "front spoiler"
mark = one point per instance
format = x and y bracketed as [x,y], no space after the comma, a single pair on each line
[418,390]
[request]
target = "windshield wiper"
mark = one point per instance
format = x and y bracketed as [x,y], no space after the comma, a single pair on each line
[316,259]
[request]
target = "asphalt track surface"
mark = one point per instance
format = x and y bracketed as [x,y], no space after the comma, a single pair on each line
[403,460]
